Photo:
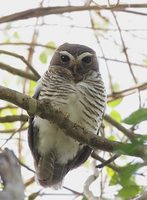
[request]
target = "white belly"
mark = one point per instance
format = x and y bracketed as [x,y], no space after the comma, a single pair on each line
[52,137]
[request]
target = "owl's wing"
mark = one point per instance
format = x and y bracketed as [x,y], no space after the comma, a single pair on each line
[44,165]
[81,157]
[33,131]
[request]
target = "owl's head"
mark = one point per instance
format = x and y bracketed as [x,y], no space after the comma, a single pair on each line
[76,58]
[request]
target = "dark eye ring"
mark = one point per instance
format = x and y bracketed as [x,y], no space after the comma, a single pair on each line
[65,58]
[87,59]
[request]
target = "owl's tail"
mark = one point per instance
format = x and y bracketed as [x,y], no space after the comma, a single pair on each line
[48,172]
[45,169]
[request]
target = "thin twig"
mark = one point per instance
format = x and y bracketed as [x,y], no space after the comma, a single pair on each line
[106,162]
[25,166]
[14,118]
[73,191]
[12,135]
[126,92]
[22,59]
[29,181]
[133,12]
[17,72]
[124,47]
[99,43]
[97,157]
[130,134]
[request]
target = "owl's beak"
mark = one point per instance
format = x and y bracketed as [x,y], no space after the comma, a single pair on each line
[75,68]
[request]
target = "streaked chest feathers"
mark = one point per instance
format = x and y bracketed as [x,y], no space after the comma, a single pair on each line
[83,101]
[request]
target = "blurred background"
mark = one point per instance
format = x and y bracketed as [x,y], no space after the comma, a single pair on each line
[117,31]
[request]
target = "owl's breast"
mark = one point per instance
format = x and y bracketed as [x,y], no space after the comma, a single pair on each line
[84,102]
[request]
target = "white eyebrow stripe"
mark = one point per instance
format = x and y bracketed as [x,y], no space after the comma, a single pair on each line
[67,54]
[80,57]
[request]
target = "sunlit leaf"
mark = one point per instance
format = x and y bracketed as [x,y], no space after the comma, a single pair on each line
[52,44]
[14,111]
[16,35]
[115,115]
[116,87]
[115,103]
[114,179]
[112,138]
[7,40]
[43,57]
[8,125]
[110,171]
[136,117]
[145,61]
[32,87]
[52,48]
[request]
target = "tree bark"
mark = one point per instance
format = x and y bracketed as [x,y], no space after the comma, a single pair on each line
[11,177]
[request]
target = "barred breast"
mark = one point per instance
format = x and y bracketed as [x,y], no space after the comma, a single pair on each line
[83,101]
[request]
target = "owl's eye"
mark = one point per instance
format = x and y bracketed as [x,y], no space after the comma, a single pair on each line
[65,58]
[87,59]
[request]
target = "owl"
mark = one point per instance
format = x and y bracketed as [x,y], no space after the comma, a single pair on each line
[73,84]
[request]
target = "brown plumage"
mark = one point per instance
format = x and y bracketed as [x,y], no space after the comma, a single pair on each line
[73,84]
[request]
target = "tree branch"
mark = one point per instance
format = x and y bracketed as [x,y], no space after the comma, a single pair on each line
[127,92]
[143,196]
[97,157]
[38,12]
[14,118]
[130,134]
[17,72]
[11,177]
[44,109]
[23,60]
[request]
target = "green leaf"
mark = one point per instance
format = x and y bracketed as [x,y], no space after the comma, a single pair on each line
[145,61]
[136,117]
[8,125]
[48,51]
[115,115]
[84,198]
[112,138]
[52,46]
[16,35]
[7,40]
[129,191]
[43,57]
[127,172]
[116,87]
[115,103]
[114,179]
[32,87]
[110,171]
